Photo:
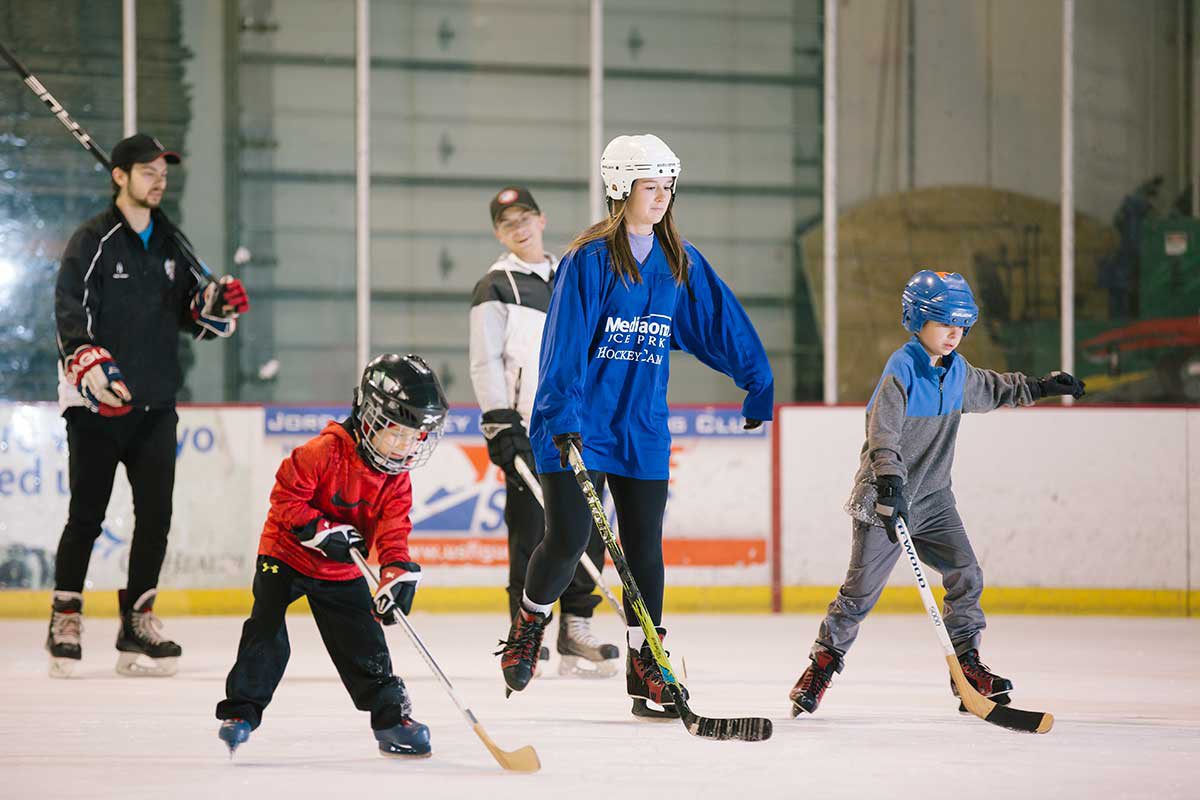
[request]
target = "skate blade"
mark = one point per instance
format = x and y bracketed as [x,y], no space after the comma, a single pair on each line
[799,710]
[132,665]
[391,753]
[643,709]
[579,667]
[62,667]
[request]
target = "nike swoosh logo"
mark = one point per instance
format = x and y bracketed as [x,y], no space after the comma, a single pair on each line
[338,501]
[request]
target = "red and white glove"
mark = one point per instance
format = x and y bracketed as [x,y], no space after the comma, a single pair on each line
[231,299]
[94,373]
[331,539]
[216,307]
[397,586]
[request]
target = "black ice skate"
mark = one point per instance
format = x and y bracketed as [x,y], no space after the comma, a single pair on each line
[66,625]
[807,693]
[582,653]
[519,653]
[984,681]
[234,732]
[409,738]
[143,652]
[645,685]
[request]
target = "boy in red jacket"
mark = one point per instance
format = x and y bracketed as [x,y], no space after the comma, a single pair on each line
[348,487]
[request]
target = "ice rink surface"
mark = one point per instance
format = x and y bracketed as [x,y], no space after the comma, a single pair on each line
[1123,691]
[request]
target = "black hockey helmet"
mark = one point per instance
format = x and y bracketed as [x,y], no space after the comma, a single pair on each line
[399,413]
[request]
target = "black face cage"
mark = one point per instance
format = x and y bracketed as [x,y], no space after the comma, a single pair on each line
[378,413]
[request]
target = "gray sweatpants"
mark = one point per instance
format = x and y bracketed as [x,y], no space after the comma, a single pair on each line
[942,544]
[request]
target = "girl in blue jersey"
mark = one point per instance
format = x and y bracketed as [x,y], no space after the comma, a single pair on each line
[628,292]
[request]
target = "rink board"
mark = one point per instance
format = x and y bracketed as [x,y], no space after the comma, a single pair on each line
[1084,509]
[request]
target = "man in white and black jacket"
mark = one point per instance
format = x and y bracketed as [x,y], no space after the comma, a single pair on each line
[123,295]
[508,311]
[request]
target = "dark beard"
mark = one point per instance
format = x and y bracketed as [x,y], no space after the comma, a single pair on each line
[143,202]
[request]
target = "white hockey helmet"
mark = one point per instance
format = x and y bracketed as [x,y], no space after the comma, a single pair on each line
[627,158]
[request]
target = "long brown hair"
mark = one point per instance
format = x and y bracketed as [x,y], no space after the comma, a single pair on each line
[615,234]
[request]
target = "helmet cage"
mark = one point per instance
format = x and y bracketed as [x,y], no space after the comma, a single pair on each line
[399,421]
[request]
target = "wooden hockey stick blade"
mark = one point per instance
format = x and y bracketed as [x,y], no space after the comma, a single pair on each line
[523,759]
[744,729]
[1005,716]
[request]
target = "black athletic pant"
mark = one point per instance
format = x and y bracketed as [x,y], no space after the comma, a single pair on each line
[640,507]
[352,636]
[144,441]
[526,526]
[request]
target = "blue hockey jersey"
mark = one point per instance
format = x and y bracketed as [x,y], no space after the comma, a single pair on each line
[605,358]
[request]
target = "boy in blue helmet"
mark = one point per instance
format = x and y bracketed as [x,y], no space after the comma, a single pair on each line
[912,423]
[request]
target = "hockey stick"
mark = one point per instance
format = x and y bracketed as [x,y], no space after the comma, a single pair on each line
[536,489]
[747,729]
[524,759]
[988,711]
[85,140]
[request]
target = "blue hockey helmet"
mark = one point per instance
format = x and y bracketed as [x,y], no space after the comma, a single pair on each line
[944,297]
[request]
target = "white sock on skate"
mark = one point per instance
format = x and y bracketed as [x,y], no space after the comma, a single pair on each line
[537,608]
[636,638]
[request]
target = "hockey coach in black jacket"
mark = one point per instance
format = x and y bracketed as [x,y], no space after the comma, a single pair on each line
[124,293]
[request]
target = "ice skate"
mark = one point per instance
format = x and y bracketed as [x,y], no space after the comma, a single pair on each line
[983,680]
[63,638]
[807,693]
[143,653]
[645,685]
[519,654]
[581,652]
[408,739]
[234,732]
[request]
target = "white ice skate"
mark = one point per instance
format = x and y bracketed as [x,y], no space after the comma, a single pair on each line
[581,653]
[143,652]
[66,628]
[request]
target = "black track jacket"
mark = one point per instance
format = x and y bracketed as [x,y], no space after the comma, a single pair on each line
[132,301]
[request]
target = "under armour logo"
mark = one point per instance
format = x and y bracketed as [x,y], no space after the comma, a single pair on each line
[273,568]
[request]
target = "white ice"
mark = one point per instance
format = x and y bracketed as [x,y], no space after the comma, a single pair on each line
[1123,692]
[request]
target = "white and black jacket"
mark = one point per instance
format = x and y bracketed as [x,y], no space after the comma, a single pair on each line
[508,312]
[129,299]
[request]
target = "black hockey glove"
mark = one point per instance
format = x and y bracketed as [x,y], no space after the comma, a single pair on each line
[506,439]
[563,442]
[751,424]
[890,503]
[331,539]
[1056,383]
[397,587]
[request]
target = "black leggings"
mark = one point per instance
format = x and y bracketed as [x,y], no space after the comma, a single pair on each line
[640,507]
[526,526]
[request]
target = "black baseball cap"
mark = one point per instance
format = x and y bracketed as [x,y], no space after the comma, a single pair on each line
[512,196]
[141,148]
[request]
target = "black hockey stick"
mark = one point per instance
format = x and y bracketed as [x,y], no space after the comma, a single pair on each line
[987,710]
[85,140]
[747,729]
[523,759]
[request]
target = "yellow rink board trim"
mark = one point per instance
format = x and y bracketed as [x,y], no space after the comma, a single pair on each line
[679,599]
